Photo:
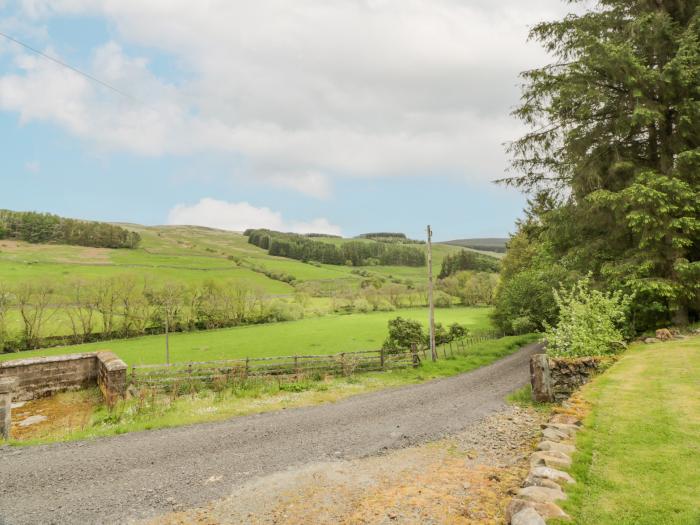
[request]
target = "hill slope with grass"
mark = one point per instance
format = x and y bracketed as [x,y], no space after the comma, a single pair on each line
[55,294]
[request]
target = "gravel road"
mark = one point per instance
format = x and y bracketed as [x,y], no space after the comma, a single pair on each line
[138,475]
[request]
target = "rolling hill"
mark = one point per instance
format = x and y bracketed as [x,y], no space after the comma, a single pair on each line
[492,245]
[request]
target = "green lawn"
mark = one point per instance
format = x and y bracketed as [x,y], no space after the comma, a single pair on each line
[319,335]
[639,455]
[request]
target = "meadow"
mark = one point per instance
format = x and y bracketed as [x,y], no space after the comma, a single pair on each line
[194,257]
[329,334]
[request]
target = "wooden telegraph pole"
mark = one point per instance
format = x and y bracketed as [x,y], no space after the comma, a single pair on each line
[433,351]
[167,342]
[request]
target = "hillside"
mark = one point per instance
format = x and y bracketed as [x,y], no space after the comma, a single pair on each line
[493,245]
[80,294]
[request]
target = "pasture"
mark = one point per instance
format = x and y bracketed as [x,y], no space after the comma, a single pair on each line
[321,335]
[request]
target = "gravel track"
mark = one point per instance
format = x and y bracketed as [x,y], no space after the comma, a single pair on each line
[138,475]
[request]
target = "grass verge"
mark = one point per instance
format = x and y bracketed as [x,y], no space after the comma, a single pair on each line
[523,398]
[151,410]
[638,458]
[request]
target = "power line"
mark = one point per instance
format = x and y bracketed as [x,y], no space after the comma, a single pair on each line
[67,66]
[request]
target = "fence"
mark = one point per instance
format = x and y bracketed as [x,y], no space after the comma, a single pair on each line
[294,367]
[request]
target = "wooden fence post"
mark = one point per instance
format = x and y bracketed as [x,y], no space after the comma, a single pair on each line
[414,355]
[245,373]
[381,357]
[342,362]
[296,366]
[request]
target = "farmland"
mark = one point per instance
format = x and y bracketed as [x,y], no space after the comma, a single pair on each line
[322,335]
[115,291]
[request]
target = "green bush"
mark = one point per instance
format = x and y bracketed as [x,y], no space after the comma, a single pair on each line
[591,322]
[402,334]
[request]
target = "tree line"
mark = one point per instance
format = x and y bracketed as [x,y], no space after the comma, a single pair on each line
[351,253]
[31,313]
[611,166]
[39,228]
[467,260]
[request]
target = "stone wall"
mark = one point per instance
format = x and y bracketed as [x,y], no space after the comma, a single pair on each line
[43,376]
[555,379]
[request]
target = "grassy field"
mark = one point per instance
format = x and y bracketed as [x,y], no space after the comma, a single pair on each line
[184,253]
[95,420]
[191,256]
[321,335]
[639,455]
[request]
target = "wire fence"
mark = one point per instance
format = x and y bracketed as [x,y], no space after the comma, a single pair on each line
[291,367]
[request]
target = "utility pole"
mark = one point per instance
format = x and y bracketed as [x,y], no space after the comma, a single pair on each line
[167,346]
[433,351]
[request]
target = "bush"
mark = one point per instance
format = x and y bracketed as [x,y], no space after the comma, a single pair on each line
[442,300]
[362,305]
[590,322]
[402,334]
[525,302]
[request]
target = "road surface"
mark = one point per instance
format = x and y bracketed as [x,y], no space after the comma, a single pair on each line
[138,475]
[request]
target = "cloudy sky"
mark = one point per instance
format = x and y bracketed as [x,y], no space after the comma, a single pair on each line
[340,116]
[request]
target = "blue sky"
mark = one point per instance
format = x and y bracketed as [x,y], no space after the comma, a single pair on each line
[239,119]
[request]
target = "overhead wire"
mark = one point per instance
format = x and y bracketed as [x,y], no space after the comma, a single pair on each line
[68,66]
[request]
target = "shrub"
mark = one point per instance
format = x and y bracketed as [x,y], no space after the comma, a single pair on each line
[402,334]
[442,300]
[590,322]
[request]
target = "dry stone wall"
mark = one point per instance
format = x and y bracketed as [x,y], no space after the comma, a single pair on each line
[555,379]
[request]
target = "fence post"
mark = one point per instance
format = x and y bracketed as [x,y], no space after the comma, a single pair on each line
[296,366]
[245,373]
[444,350]
[381,357]
[452,353]
[342,362]
[414,355]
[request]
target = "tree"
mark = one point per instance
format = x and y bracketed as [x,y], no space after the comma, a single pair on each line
[615,147]
[168,301]
[80,310]
[5,303]
[33,302]
[403,333]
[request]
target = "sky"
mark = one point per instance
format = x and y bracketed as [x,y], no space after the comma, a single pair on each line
[329,116]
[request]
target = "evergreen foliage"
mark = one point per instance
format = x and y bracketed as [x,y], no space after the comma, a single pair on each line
[354,253]
[613,161]
[42,228]
[467,260]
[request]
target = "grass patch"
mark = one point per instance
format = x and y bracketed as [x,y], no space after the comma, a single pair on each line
[523,398]
[638,459]
[320,335]
[150,410]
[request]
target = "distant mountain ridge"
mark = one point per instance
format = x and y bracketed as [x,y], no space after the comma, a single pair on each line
[485,244]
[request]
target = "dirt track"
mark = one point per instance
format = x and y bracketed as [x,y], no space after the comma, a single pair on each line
[113,480]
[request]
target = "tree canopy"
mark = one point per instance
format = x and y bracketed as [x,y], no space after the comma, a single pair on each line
[47,228]
[612,158]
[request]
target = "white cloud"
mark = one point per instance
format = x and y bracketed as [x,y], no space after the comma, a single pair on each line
[239,216]
[304,91]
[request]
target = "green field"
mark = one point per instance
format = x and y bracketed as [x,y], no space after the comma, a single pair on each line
[185,253]
[639,455]
[322,335]
[192,256]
